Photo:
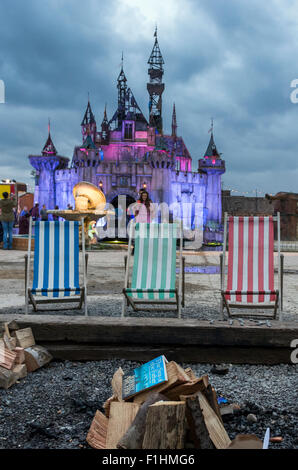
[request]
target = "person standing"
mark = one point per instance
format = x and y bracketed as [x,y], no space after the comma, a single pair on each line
[144,208]
[7,218]
[43,213]
[55,216]
[34,212]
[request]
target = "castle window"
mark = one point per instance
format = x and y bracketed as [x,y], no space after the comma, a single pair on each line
[128,131]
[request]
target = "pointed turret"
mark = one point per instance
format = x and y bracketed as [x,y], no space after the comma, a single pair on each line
[122,90]
[155,86]
[174,123]
[49,147]
[211,150]
[88,123]
[105,127]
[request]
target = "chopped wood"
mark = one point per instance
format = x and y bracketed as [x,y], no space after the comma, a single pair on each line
[246,441]
[117,384]
[107,404]
[20,370]
[210,394]
[176,376]
[9,342]
[122,415]
[25,338]
[216,430]
[133,438]
[197,427]
[190,373]
[12,326]
[7,378]
[7,358]
[165,426]
[20,355]
[36,357]
[189,388]
[97,434]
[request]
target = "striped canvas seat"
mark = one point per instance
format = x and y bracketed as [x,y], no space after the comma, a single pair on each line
[153,279]
[154,269]
[250,279]
[56,259]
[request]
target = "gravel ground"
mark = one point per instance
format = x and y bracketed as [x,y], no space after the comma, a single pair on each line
[53,407]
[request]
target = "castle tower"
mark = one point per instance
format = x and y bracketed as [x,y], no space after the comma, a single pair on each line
[105,128]
[45,165]
[122,91]
[214,167]
[88,123]
[155,86]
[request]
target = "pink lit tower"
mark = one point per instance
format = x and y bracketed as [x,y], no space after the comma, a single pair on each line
[212,165]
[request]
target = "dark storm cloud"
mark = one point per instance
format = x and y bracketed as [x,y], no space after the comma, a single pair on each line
[228,59]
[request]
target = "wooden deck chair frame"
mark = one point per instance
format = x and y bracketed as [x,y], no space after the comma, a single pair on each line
[276,306]
[30,298]
[179,293]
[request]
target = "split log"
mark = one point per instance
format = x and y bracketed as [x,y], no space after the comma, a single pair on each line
[20,370]
[97,434]
[36,357]
[107,405]
[133,438]
[10,343]
[165,426]
[20,355]
[190,373]
[176,376]
[122,415]
[189,388]
[246,441]
[197,427]
[25,338]
[117,384]
[7,378]
[12,326]
[216,430]
[7,358]
[210,394]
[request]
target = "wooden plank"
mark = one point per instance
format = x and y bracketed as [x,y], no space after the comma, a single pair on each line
[25,338]
[210,394]
[234,355]
[156,331]
[189,388]
[216,430]
[97,434]
[176,376]
[122,415]
[165,426]
[134,436]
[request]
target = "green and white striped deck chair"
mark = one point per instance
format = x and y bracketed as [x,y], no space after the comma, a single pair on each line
[154,267]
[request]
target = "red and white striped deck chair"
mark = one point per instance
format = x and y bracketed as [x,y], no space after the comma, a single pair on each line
[250,277]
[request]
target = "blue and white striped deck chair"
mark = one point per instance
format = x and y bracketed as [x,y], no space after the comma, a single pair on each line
[154,268]
[56,264]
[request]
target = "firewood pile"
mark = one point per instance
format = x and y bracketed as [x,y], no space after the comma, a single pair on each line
[19,354]
[181,413]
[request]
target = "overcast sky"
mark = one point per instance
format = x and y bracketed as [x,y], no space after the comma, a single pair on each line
[233,60]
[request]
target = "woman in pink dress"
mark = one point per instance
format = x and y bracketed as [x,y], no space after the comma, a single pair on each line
[144,209]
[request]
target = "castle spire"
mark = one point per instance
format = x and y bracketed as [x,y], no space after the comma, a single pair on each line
[174,122]
[211,150]
[155,86]
[88,116]
[122,90]
[49,147]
